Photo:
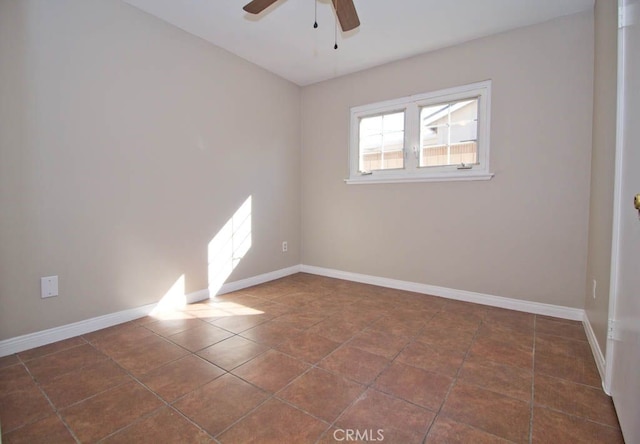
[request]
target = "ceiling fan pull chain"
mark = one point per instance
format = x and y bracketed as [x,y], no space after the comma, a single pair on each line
[315,22]
[336,29]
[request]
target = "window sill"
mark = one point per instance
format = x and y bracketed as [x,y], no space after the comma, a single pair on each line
[369,179]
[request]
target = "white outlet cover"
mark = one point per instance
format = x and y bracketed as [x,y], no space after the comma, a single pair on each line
[48,286]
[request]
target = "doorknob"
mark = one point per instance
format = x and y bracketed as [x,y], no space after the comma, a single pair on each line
[636,201]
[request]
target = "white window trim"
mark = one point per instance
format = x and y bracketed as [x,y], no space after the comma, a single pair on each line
[410,105]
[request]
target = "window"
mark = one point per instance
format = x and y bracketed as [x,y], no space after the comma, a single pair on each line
[436,136]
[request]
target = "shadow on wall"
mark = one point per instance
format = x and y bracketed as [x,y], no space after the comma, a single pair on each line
[224,253]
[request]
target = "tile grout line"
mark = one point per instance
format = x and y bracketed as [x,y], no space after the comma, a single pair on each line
[312,367]
[533,378]
[368,386]
[271,395]
[55,410]
[455,378]
[153,412]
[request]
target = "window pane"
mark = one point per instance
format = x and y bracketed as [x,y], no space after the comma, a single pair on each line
[449,133]
[382,142]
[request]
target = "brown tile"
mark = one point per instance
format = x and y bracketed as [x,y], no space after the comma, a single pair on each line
[143,359]
[296,300]
[575,399]
[326,306]
[562,346]
[44,431]
[271,333]
[301,321]
[356,364]
[231,396]
[321,393]
[23,406]
[168,327]
[309,347]
[200,337]
[415,313]
[239,303]
[7,361]
[505,379]
[238,324]
[124,340]
[275,422]
[447,431]
[551,426]
[270,290]
[205,311]
[448,338]
[335,329]
[564,321]
[232,352]
[415,385]
[359,316]
[51,348]
[434,359]
[489,411]
[468,309]
[116,408]
[581,370]
[57,364]
[165,426]
[397,326]
[76,386]
[510,320]
[397,420]
[115,329]
[180,377]
[512,354]
[275,309]
[458,321]
[271,371]
[379,343]
[563,329]
[14,378]
[501,333]
[143,320]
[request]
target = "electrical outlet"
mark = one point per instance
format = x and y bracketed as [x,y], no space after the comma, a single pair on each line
[593,288]
[285,247]
[48,287]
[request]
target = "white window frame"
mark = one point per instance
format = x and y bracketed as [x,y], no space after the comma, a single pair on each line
[411,105]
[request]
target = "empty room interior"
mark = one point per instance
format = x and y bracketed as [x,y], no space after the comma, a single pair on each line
[227,225]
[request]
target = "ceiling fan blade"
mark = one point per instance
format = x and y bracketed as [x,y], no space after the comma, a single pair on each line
[347,15]
[257,6]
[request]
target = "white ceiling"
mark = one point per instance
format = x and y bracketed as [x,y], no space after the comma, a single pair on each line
[283,41]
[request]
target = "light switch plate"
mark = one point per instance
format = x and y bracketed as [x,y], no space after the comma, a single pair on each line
[48,286]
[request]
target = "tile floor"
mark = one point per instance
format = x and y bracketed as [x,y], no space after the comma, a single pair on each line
[312,359]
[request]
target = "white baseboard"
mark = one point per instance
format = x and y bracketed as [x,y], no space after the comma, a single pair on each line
[44,337]
[197,296]
[557,311]
[37,339]
[256,280]
[601,362]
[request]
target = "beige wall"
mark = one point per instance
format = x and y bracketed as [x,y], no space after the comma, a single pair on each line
[602,166]
[125,145]
[521,235]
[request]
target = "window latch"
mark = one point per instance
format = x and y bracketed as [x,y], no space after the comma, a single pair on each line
[415,152]
[465,166]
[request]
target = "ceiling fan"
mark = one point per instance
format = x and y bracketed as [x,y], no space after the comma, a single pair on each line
[345,10]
